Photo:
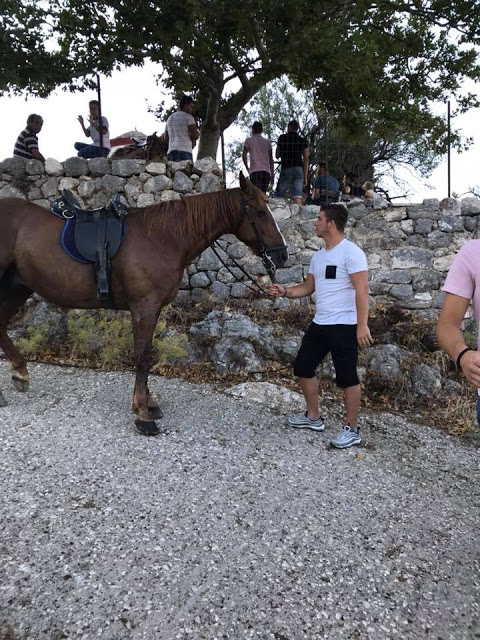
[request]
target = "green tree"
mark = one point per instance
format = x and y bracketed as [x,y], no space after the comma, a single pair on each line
[398,53]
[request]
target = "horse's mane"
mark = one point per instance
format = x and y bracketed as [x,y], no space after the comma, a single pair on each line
[200,215]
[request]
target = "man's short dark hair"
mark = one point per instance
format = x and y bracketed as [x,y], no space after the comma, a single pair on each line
[33,117]
[336,212]
[293,125]
[93,102]
[184,100]
[257,127]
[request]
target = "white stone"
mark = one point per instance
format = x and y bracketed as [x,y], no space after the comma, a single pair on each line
[207,165]
[395,215]
[168,194]
[156,168]
[68,183]
[282,214]
[157,183]
[86,189]
[145,200]
[8,191]
[53,167]
[443,263]
[374,261]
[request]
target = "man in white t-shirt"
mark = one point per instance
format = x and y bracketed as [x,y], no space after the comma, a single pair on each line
[181,132]
[93,131]
[338,277]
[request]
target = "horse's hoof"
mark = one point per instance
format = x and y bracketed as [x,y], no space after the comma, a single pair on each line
[155,413]
[20,384]
[147,427]
[3,402]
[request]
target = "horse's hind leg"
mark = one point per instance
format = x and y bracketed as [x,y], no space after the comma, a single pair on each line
[11,301]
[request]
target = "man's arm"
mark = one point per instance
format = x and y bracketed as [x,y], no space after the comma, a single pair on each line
[272,169]
[245,158]
[360,284]
[37,155]
[298,291]
[450,337]
[193,132]
[305,166]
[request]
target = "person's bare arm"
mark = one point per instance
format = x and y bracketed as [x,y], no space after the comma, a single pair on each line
[245,158]
[193,132]
[360,284]
[37,155]
[306,288]
[272,169]
[450,337]
[305,166]
[82,124]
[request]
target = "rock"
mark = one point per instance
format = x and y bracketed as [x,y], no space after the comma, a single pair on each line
[238,290]
[14,166]
[237,250]
[75,166]
[287,276]
[411,258]
[220,291]
[266,393]
[53,167]
[419,211]
[35,168]
[470,206]
[208,183]
[145,200]
[433,203]
[200,280]
[451,205]
[168,194]
[50,188]
[396,276]
[425,380]
[182,183]
[86,189]
[156,168]
[401,291]
[282,213]
[98,166]
[385,360]
[9,191]
[113,184]
[228,356]
[208,261]
[127,167]
[396,215]
[423,226]
[67,183]
[157,183]
[427,280]
[207,165]
[50,322]
[182,165]
[438,239]
[449,224]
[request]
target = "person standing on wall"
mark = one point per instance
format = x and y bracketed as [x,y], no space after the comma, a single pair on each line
[292,149]
[338,277]
[181,132]
[261,158]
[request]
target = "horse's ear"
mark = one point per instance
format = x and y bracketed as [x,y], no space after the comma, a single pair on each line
[245,184]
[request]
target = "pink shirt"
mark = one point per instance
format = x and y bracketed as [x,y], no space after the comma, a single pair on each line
[259,149]
[464,275]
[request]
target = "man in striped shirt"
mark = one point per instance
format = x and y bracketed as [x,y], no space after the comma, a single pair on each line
[26,145]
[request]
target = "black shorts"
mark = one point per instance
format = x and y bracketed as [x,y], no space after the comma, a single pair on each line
[338,339]
[260,179]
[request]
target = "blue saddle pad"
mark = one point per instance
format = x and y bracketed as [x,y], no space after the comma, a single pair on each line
[67,241]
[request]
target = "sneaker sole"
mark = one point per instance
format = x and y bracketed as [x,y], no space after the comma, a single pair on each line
[307,426]
[345,446]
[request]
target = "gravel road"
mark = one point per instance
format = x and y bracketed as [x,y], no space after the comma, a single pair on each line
[228,525]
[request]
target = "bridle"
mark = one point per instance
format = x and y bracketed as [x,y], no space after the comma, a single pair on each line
[267,262]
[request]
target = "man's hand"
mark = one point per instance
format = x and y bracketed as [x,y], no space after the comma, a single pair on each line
[276,290]
[80,119]
[364,337]
[470,365]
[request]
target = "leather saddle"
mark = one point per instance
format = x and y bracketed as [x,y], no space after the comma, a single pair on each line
[95,235]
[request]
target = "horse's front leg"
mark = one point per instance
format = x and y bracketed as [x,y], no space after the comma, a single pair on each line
[144,319]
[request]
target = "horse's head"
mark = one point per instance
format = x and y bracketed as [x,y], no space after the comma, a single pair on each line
[258,228]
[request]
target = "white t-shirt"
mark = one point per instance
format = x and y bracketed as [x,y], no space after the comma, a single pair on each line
[178,134]
[95,135]
[334,291]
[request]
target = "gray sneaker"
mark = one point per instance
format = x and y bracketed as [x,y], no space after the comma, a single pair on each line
[302,421]
[346,437]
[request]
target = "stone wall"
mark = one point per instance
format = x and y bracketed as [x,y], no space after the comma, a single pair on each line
[409,248]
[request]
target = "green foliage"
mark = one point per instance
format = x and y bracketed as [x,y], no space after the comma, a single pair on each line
[35,342]
[389,56]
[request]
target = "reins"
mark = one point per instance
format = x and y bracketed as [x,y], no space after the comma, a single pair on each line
[262,252]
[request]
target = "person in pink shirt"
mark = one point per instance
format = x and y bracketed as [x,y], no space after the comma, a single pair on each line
[461,288]
[259,149]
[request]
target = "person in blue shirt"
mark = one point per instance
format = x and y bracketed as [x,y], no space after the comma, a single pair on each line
[326,188]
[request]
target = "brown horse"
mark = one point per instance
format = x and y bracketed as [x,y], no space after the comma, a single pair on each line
[160,241]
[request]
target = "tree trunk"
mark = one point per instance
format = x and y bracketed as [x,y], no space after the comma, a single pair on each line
[208,143]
